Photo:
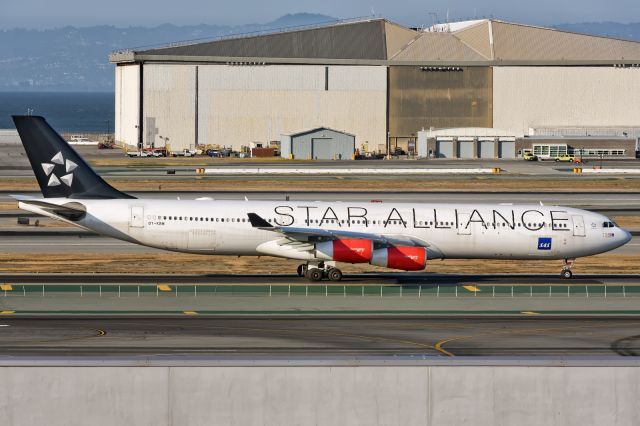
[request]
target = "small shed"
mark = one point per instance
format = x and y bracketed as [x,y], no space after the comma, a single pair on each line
[318,144]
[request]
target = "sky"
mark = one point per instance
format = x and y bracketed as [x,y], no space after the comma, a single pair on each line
[42,14]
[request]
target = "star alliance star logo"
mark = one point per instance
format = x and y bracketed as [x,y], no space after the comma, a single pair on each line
[69,166]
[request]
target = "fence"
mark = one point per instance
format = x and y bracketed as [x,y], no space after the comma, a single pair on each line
[318,290]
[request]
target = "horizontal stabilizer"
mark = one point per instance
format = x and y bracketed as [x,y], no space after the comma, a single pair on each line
[71,211]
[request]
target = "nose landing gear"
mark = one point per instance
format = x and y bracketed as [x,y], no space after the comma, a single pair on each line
[566,269]
[319,271]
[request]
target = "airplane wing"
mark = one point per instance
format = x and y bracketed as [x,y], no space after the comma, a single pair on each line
[70,210]
[303,234]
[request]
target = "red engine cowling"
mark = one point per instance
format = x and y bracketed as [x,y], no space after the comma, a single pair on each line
[405,258]
[348,251]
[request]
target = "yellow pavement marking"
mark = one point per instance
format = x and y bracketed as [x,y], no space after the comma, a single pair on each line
[190,313]
[530,313]
[471,288]
[6,287]
[438,347]
[7,312]
[164,287]
[101,332]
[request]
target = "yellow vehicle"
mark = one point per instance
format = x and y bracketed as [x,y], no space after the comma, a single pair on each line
[566,158]
[529,157]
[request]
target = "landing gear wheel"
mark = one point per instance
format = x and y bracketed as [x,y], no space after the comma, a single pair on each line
[566,269]
[302,270]
[334,274]
[314,274]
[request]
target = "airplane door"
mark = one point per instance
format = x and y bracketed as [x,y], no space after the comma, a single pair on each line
[578,226]
[464,228]
[137,217]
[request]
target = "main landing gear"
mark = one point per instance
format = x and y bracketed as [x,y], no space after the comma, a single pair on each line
[319,271]
[566,268]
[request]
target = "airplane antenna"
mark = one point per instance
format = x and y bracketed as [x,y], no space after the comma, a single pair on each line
[541,205]
[245,198]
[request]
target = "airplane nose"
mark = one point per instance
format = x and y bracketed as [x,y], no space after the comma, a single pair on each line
[626,236]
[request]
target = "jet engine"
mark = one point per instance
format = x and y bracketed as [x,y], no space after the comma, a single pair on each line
[348,251]
[405,258]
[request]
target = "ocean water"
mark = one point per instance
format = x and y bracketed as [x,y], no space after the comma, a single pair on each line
[66,112]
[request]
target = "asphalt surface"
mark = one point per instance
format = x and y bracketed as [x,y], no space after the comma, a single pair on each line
[322,336]
[389,278]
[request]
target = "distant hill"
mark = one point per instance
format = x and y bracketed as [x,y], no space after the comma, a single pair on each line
[76,59]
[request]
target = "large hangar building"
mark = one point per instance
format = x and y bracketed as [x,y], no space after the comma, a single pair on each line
[457,86]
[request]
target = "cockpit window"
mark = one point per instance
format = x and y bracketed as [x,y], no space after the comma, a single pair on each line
[608,225]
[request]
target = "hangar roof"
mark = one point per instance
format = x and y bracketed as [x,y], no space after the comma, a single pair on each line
[318,129]
[498,41]
[368,39]
[380,42]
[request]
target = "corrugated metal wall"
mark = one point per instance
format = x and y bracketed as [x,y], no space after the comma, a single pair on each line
[527,97]
[444,149]
[127,104]
[507,149]
[440,99]
[486,149]
[243,104]
[465,149]
[323,144]
[169,102]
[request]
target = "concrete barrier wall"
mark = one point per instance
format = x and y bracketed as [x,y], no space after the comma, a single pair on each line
[320,395]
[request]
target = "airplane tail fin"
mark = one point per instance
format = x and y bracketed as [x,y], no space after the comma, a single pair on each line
[60,171]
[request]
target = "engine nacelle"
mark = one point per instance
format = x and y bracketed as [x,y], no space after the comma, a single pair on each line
[405,258]
[348,251]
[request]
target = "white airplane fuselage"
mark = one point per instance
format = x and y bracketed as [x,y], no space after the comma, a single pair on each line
[453,231]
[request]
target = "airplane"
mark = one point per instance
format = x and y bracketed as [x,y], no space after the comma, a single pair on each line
[401,236]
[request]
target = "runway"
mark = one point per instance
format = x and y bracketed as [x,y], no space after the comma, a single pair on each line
[390,316]
[321,336]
